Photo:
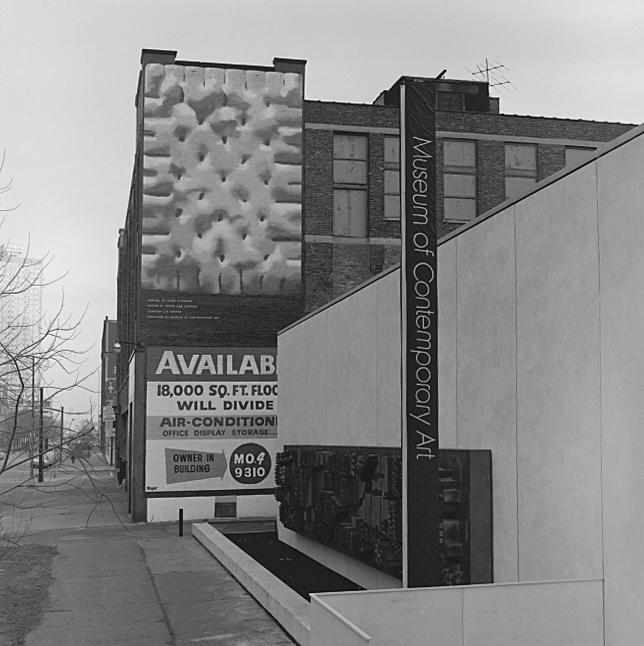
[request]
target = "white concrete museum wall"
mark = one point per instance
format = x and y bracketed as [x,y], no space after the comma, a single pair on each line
[621,249]
[554,613]
[336,371]
[335,378]
[340,374]
[541,360]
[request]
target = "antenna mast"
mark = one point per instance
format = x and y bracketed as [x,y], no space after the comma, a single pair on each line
[493,74]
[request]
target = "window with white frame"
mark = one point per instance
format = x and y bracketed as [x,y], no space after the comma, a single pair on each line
[520,169]
[392,178]
[459,180]
[350,185]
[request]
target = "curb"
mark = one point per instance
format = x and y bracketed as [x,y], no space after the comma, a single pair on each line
[286,606]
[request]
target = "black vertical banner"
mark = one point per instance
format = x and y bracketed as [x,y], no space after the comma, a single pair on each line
[419,310]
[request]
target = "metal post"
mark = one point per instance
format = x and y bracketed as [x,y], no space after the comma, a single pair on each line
[40,442]
[180,522]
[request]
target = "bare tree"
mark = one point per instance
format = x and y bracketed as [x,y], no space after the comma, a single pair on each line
[38,352]
[32,347]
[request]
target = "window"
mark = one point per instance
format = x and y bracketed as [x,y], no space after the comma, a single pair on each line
[450,101]
[459,180]
[392,178]
[576,154]
[349,213]
[520,169]
[350,185]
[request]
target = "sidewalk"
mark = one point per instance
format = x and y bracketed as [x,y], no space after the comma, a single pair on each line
[117,582]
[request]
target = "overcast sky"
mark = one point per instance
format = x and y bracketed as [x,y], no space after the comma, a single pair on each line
[68,73]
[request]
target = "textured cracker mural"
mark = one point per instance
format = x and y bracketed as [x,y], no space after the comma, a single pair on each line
[222,181]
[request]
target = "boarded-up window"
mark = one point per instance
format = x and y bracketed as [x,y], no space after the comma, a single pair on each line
[520,169]
[350,213]
[518,186]
[392,178]
[350,185]
[349,159]
[348,171]
[459,180]
[450,101]
[459,185]
[349,147]
[577,154]
[392,150]
[458,209]
[461,154]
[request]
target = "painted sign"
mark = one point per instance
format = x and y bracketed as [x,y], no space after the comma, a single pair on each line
[211,422]
[221,228]
[419,309]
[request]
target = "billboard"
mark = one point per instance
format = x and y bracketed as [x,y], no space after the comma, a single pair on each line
[211,420]
[221,203]
[419,309]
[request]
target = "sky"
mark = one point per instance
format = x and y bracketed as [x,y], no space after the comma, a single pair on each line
[68,74]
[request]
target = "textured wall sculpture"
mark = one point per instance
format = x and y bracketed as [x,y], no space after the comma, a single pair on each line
[222,181]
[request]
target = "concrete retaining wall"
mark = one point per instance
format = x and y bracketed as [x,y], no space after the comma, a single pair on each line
[530,614]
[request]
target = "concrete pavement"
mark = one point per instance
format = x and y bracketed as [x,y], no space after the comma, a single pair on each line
[117,582]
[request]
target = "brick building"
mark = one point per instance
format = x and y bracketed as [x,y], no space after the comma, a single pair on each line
[212,257]
[209,270]
[351,210]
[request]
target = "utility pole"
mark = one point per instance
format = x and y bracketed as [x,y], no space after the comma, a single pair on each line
[62,413]
[32,439]
[40,441]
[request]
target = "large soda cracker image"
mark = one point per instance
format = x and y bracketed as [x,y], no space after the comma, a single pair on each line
[222,183]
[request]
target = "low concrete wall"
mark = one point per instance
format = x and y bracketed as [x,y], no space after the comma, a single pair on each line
[288,608]
[558,613]
[328,626]
[344,565]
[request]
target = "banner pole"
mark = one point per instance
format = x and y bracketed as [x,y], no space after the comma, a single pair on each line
[419,335]
[403,328]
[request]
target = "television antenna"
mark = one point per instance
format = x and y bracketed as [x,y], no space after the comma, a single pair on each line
[493,73]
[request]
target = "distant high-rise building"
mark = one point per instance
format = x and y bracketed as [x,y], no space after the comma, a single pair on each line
[21,289]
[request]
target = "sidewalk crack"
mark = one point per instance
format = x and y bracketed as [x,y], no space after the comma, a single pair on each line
[166,618]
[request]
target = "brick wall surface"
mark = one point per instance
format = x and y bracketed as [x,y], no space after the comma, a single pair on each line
[526,126]
[246,323]
[356,114]
[318,275]
[550,159]
[391,255]
[490,181]
[351,114]
[351,266]
[318,178]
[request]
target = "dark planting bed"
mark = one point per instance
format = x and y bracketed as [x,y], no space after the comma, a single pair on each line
[301,573]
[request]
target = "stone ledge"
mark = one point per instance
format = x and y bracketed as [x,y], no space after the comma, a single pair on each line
[288,608]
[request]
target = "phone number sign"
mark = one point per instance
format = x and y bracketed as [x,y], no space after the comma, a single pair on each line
[211,422]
